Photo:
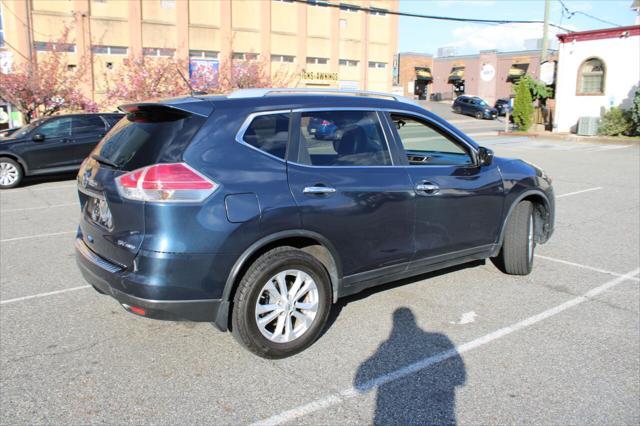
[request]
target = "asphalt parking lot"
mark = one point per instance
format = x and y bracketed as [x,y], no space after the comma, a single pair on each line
[560,346]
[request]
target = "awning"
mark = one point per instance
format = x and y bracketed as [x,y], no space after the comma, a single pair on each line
[516,72]
[424,74]
[456,75]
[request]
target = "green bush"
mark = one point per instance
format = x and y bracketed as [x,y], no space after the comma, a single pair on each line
[615,122]
[523,106]
[634,114]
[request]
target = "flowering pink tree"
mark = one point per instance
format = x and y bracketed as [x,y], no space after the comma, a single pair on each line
[46,86]
[143,78]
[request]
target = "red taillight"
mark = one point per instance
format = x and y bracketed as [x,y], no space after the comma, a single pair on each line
[175,182]
[325,122]
[137,310]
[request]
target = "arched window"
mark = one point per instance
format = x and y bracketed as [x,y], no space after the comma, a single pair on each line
[591,77]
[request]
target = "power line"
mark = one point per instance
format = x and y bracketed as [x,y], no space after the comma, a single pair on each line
[434,17]
[570,14]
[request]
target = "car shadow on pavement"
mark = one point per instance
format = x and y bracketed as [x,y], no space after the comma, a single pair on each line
[34,180]
[425,396]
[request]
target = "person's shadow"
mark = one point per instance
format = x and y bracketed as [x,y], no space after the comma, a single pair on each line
[416,374]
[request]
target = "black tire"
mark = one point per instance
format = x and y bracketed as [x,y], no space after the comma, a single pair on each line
[479,115]
[516,255]
[243,319]
[4,162]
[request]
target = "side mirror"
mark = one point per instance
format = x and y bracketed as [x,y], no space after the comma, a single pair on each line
[485,156]
[38,137]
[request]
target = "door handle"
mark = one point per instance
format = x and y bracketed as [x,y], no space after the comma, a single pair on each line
[427,188]
[318,190]
[67,140]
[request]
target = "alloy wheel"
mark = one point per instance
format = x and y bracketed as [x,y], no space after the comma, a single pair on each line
[8,174]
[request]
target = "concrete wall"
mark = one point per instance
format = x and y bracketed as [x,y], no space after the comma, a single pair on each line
[621,57]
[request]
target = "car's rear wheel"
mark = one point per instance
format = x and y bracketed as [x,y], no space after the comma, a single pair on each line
[518,246]
[10,173]
[282,303]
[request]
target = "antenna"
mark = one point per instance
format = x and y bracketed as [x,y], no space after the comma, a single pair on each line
[193,92]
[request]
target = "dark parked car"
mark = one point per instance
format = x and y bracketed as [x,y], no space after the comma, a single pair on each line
[226,209]
[502,106]
[472,105]
[51,145]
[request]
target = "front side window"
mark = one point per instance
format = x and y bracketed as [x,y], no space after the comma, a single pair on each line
[426,146]
[56,128]
[591,77]
[269,133]
[342,138]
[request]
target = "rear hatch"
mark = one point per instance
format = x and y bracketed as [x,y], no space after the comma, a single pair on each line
[112,226]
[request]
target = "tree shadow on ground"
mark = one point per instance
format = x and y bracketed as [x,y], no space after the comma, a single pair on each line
[416,374]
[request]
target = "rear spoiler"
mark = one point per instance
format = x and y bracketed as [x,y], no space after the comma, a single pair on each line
[195,106]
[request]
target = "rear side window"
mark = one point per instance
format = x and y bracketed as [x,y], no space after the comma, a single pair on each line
[88,124]
[112,119]
[342,138]
[149,136]
[269,133]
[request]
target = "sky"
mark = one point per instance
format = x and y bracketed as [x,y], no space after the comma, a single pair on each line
[426,36]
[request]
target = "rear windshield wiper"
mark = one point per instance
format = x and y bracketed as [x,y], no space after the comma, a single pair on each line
[102,160]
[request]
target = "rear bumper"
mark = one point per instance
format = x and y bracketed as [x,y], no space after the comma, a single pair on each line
[113,280]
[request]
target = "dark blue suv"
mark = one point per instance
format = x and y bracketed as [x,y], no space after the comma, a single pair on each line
[229,210]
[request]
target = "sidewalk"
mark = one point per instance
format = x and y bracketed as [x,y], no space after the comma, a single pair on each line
[571,137]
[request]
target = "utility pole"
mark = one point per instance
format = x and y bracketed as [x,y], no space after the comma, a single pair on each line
[545,31]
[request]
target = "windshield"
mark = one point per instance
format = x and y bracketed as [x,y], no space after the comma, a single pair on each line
[23,131]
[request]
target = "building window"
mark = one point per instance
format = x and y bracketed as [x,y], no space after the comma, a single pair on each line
[244,56]
[71,67]
[349,7]
[283,58]
[168,4]
[42,46]
[109,50]
[314,60]
[154,51]
[348,63]
[377,12]
[203,54]
[285,1]
[377,64]
[591,77]
[319,3]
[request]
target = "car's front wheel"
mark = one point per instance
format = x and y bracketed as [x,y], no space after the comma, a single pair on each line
[479,115]
[282,303]
[518,246]
[10,173]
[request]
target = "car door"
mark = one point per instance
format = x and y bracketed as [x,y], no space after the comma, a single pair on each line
[464,105]
[87,130]
[458,203]
[348,191]
[55,150]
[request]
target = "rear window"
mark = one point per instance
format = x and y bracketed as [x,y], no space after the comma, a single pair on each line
[149,136]
[269,133]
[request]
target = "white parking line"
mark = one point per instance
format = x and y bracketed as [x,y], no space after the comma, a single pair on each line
[579,192]
[29,237]
[53,206]
[339,397]
[36,296]
[42,188]
[579,265]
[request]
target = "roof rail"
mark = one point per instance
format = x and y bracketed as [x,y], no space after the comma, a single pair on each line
[260,93]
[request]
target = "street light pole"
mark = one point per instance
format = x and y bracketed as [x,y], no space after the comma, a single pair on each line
[545,31]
